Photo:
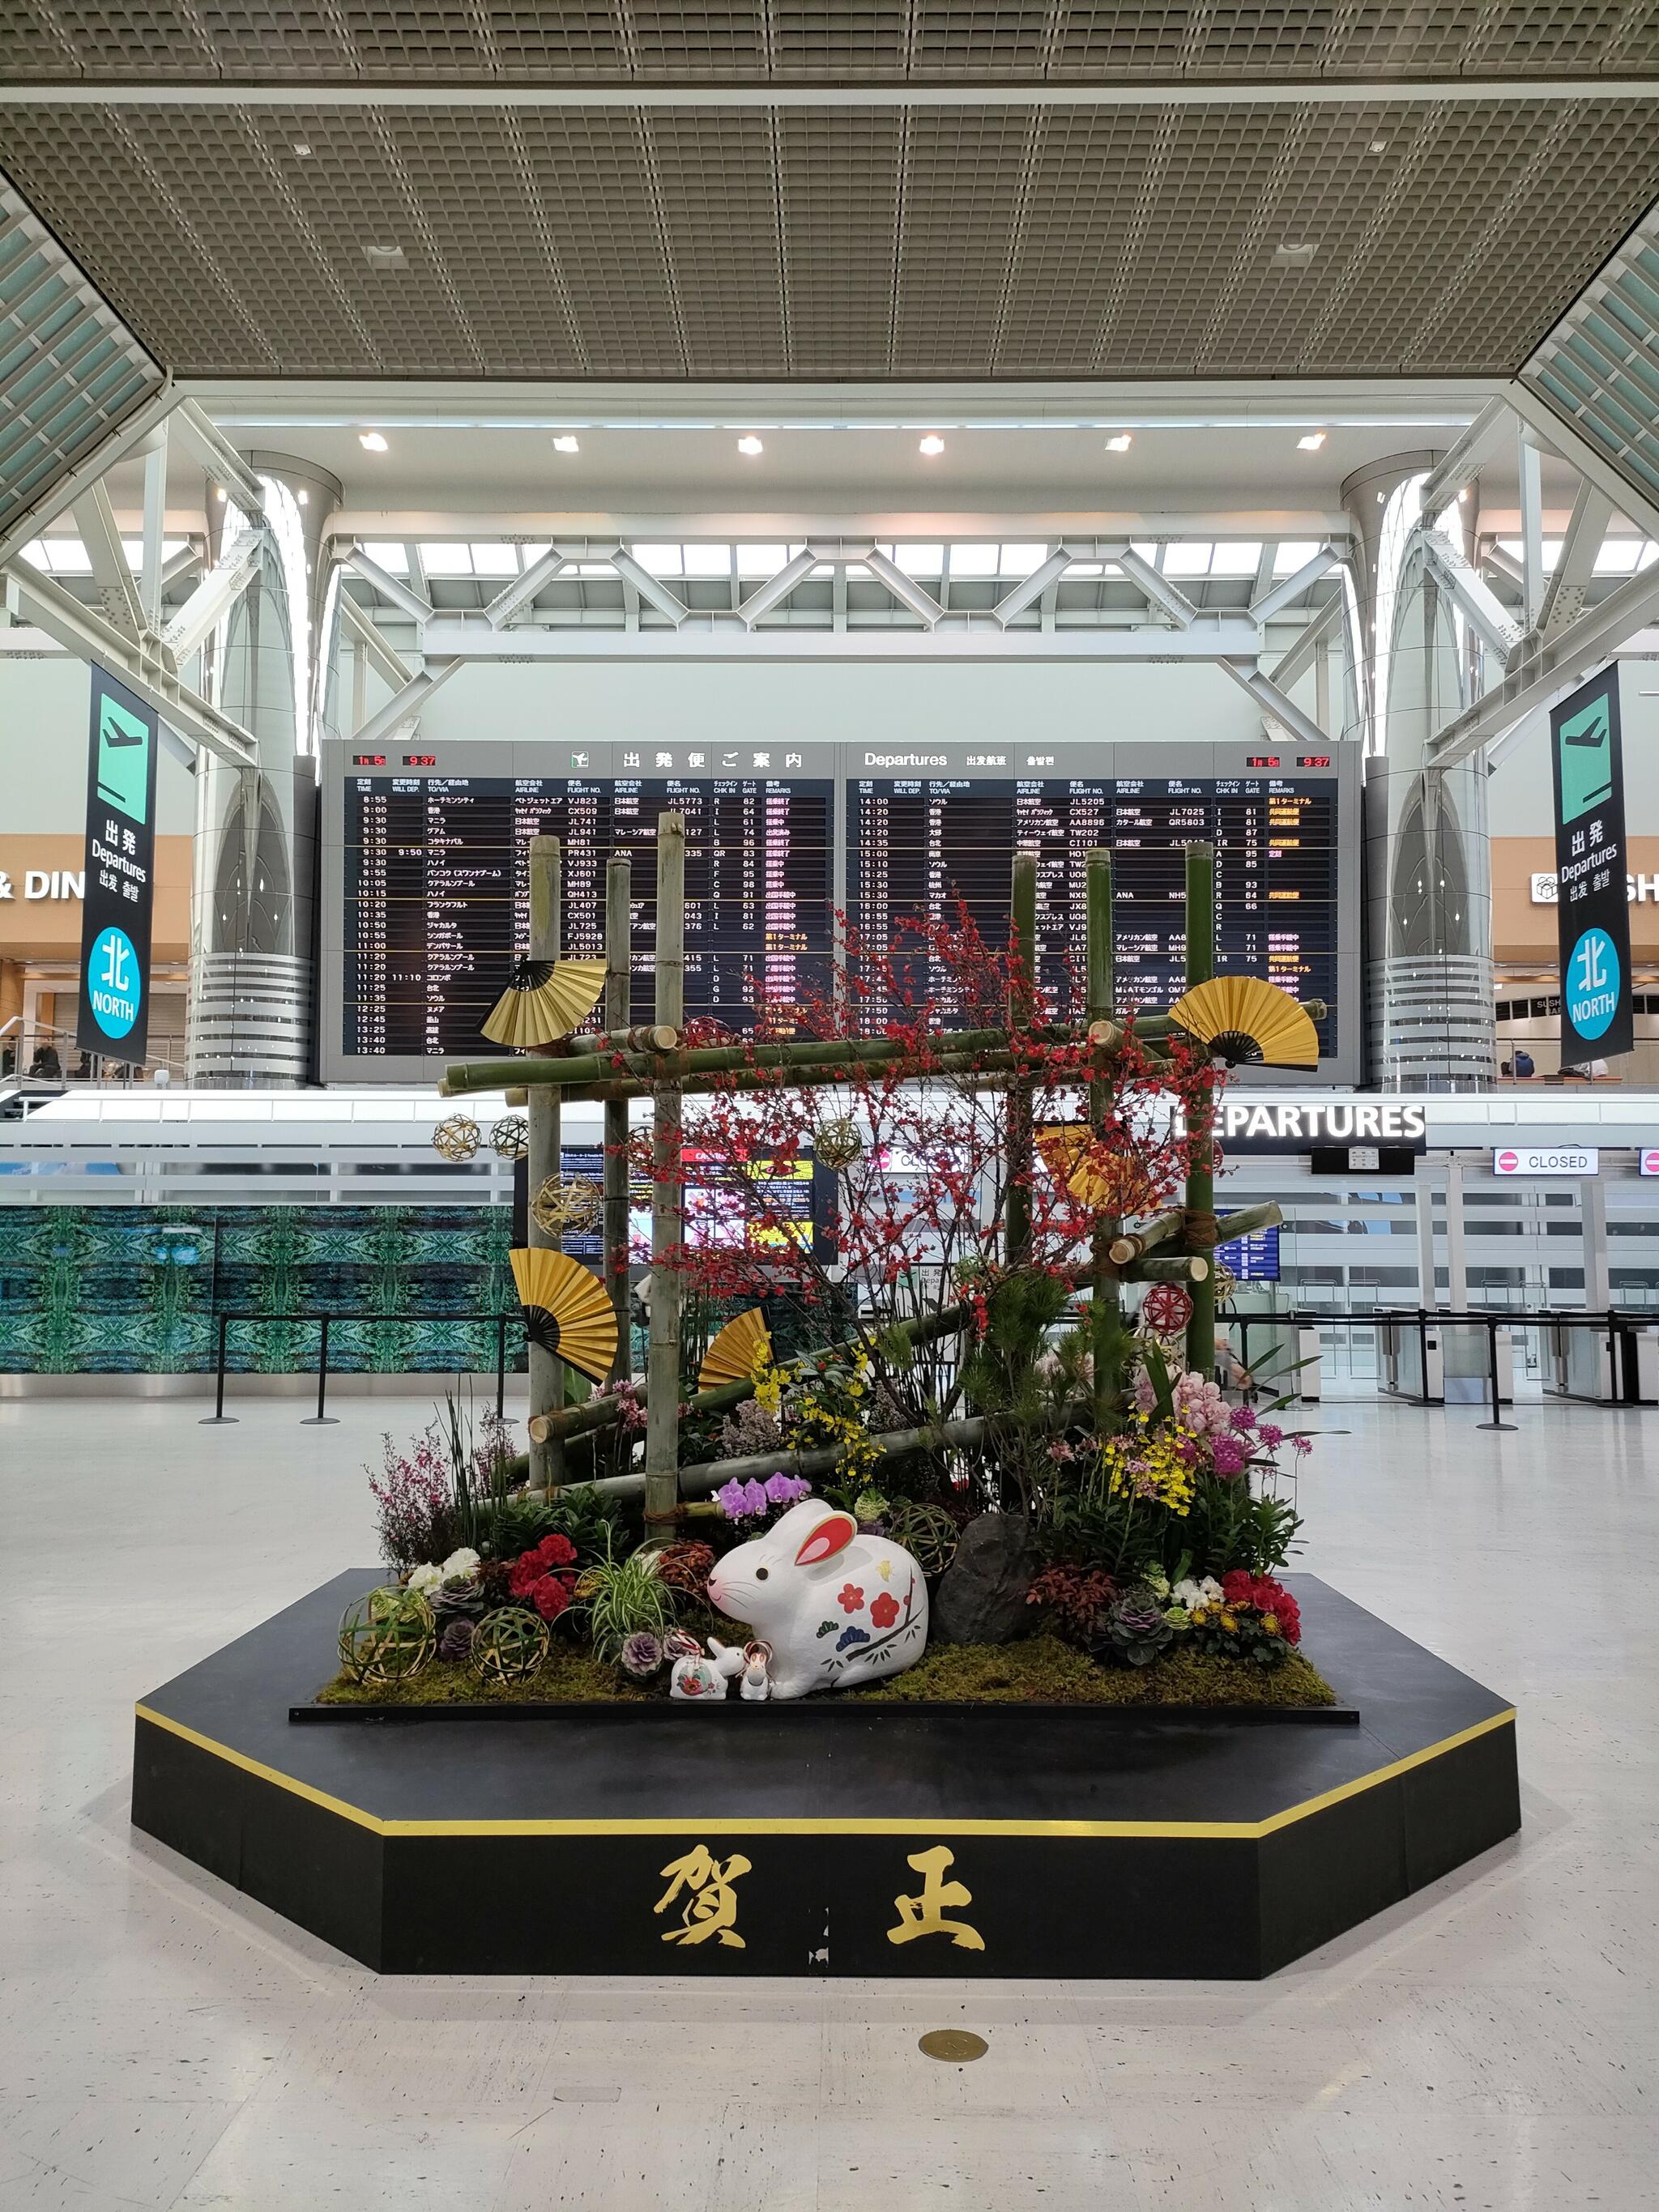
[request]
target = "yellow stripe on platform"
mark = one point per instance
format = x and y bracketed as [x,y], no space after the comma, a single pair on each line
[1225,1831]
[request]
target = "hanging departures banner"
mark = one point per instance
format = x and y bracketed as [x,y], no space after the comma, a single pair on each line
[115,926]
[1592,911]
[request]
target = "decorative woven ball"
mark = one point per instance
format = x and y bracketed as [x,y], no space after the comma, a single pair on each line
[456,1138]
[928,1533]
[567,1202]
[510,1138]
[838,1144]
[386,1635]
[1166,1309]
[508,1646]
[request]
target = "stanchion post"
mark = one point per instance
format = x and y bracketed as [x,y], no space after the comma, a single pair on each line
[218,1417]
[1497,1421]
[319,1419]
[501,1367]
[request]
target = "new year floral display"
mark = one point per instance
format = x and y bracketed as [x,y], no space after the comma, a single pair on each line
[931,1381]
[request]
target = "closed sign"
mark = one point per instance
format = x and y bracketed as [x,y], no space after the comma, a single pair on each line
[1550,1160]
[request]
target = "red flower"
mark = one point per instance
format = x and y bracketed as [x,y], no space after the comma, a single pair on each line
[851,1599]
[555,1551]
[550,1595]
[527,1571]
[885,1610]
[1239,1587]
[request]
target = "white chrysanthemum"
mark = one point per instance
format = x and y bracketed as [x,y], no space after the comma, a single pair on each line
[460,1566]
[426,1578]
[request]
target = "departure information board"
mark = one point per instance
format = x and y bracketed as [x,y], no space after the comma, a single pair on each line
[426,894]
[435,882]
[920,846]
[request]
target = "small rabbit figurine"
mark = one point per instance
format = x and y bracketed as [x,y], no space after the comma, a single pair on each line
[837,1606]
[696,1679]
[757,1676]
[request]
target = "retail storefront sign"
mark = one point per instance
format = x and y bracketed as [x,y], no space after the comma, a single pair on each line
[1592,908]
[1546,1160]
[120,874]
[1261,1124]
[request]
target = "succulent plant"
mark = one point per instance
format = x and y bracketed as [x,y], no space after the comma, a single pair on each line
[641,1655]
[456,1642]
[1136,1629]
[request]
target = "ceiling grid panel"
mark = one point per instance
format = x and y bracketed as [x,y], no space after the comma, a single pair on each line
[841,205]
[1262,226]
[827,41]
[717,186]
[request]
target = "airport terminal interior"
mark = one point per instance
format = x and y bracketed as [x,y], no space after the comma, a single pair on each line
[829,886]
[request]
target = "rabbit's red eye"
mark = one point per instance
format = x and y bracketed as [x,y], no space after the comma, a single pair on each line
[761,1573]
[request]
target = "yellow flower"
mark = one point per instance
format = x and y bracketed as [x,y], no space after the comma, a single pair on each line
[1229,1620]
[1270,1623]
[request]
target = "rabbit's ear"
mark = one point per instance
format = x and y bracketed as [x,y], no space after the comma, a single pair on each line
[832,1534]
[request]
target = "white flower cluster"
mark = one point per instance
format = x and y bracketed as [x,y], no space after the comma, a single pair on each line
[1195,1596]
[459,1568]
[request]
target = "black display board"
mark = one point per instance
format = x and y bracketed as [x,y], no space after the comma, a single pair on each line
[920,846]
[120,891]
[1592,914]
[437,893]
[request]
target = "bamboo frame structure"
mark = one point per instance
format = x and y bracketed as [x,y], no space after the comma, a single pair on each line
[627,1060]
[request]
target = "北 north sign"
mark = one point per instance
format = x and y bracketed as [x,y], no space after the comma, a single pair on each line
[1592,911]
[120,875]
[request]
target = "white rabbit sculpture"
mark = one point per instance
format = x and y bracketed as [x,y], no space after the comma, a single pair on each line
[838,1608]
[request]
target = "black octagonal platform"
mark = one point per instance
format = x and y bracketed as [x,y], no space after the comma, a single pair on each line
[791,1839]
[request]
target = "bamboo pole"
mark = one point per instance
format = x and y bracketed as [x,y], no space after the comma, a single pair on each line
[662,1493]
[546,1368]
[618,987]
[1106,1313]
[1137,1242]
[1022,1006]
[1200,1179]
[805,1060]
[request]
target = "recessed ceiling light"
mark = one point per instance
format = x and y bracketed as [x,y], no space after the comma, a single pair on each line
[1379,146]
[1297,253]
[933,443]
[566,445]
[1121,443]
[751,445]
[303,496]
[383,258]
[1312,443]
[371,442]
[220,493]
[301,150]
[1462,498]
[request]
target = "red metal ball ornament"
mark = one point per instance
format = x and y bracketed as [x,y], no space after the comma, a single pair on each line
[1166,1309]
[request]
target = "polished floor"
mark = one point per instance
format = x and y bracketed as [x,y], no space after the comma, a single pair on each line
[1492,2044]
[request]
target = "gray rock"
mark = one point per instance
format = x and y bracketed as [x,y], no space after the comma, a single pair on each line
[981,1598]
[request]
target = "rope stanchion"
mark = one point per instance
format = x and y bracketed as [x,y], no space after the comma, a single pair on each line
[218,1417]
[319,1419]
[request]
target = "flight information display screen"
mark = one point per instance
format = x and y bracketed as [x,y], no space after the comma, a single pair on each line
[935,846]
[436,896]
[425,871]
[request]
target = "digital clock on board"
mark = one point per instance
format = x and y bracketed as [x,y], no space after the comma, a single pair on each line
[1313,760]
[420,760]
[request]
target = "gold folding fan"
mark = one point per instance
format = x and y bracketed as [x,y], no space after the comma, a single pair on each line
[1246,1021]
[566,1311]
[546,1000]
[1104,1181]
[731,1358]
